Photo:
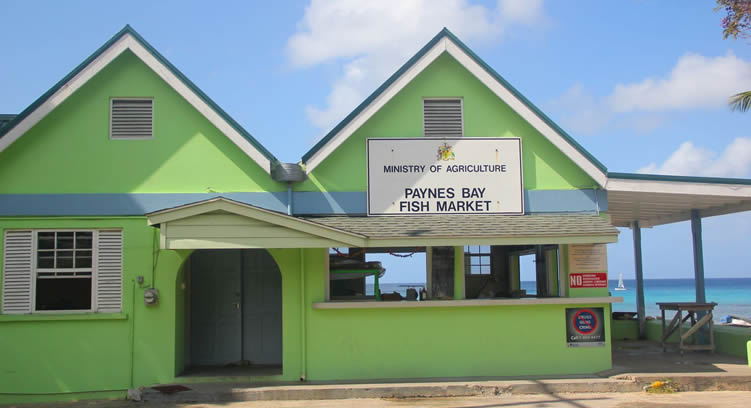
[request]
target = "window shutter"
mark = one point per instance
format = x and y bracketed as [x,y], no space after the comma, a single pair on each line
[443,118]
[109,277]
[17,277]
[132,119]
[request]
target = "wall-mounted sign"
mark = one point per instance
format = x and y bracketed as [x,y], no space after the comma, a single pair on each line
[585,327]
[587,258]
[588,280]
[445,176]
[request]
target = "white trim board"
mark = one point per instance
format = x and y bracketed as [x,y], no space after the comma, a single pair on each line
[447,45]
[128,42]
[679,187]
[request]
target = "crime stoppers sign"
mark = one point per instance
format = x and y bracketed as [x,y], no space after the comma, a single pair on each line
[585,327]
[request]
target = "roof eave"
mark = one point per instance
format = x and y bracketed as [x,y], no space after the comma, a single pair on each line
[10,132]
[593,167]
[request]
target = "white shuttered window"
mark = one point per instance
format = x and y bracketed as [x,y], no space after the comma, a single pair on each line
[443,118]
[62,271]
[131,118]
[17,271]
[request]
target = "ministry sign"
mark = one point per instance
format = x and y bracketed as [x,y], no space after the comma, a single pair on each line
[445,176]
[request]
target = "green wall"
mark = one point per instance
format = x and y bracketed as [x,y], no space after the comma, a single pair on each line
[443,341]
[62,353]
[69,151]
[70,355]
[485,115]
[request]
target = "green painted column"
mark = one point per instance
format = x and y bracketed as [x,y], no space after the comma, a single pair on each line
[459,272]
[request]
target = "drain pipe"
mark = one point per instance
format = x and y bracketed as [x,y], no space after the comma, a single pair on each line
[292,173]
[303,325]
[289,198]
[288,173]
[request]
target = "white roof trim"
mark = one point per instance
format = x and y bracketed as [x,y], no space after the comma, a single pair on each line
[679,187]
[128,42]
[446,44]
[375,106]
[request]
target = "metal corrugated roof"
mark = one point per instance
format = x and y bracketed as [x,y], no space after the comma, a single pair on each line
[480,226]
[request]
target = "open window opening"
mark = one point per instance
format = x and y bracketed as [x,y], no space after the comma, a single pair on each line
[511,271]
[377,274]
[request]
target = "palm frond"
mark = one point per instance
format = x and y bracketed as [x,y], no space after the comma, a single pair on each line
[740,102]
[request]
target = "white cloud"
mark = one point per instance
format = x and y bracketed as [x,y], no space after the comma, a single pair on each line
[368,40]
[734,161]
[695,82]
[580,111]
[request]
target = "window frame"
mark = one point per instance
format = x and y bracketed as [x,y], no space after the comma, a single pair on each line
[35,271]
[442,98]
[111,105]
[470,255]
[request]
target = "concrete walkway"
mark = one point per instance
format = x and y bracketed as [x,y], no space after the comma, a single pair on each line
[721,399]
[635,364]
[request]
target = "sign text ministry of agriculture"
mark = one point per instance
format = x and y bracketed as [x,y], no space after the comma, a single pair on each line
[445,176]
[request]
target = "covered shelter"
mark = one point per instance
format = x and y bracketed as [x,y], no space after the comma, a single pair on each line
[641,201]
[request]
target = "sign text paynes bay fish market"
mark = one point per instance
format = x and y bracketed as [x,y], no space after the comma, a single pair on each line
[472,198]
[444,176]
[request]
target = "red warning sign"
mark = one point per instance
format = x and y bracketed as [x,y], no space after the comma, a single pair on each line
[588,280]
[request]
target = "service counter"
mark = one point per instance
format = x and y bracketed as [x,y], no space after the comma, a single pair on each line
[465,303]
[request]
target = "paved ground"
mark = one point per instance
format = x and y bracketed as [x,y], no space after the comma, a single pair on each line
[724,399]
[724,380]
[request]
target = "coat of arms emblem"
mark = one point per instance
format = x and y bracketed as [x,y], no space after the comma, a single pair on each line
[445,153]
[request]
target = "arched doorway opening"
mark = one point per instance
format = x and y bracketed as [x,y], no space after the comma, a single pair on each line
[233,318]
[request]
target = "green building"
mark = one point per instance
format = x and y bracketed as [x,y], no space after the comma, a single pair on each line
[149,239]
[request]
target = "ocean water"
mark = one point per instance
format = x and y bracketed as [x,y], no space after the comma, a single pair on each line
[732,295]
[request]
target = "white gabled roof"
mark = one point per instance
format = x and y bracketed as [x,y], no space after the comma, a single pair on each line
[128,39]
[445,41]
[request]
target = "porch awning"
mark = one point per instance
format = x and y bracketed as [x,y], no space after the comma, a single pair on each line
[223,223]
[452,229]
[655,200]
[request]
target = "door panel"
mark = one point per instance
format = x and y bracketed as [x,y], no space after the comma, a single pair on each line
[262,309]
[215,307]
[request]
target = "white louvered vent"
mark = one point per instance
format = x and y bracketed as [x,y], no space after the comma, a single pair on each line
[443,118]
[17,276]
[132,119]
[109,278]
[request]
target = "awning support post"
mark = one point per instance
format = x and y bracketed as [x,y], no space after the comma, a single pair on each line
[698,269]
[640,309]
[698,256]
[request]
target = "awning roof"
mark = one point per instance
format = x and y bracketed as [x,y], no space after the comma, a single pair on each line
[451,229]
[655,200]
[224,223]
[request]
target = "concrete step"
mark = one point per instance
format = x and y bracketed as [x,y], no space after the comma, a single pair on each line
[229,392]
[222,392]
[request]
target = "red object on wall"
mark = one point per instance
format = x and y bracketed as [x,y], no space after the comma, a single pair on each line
[588,280]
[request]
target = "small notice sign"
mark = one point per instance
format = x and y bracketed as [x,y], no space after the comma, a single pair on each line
[588,280]
[585,327]
[588,258]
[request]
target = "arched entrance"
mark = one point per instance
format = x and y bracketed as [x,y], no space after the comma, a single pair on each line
[233,313]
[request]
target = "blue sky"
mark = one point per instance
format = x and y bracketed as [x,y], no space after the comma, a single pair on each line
[640,84]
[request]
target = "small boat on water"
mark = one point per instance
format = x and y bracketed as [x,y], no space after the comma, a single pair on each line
[731,320]
[620,286]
